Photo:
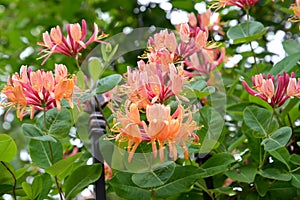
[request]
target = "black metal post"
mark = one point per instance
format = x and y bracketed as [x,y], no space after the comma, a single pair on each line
[97,126]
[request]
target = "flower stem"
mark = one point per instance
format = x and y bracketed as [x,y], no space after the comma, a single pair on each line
[52,157]
[251,47]
[14,177]
[296,169]
[77,64]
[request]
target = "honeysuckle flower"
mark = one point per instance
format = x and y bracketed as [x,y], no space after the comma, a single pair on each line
[108,173]
[17,97]
[39,90]
[151,83]
[163,40]
[295,7]
[160,126]
[265,88]
[207,20]
[203,62]
[164,128]
[187,131]
[184,31]
[71,45]
[243,4]
[293,89]
[128,128]
[165,47]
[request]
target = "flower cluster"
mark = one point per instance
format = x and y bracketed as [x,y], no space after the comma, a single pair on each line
[296,10]
[152,87]
[286,87]
[71,45]
[243,4]
[207,57]
[39,90]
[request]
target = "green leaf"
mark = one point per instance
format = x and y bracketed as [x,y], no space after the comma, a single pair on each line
[205,92]
[243,174]
[20,172]
[40,152]
[246,32]
[258,120]
[286,64]
[5,176]
[81,178]
[282,190]
[217,164]
[213,125]
[124,187]
[155,177]
[182,180]
[281,154]
[295,180]
[62,165]
[291,46]
[261,185]
[279,139]
[5,189]
[80,82]
[236,110]
[274,173]
[40,187]
[46,185]
[253,143]
[295,159]
[95,68]
[28,190]
[8,148]
[36,187]
[112,53]
[58,124]
[35,133]
[182,4]
[108,83]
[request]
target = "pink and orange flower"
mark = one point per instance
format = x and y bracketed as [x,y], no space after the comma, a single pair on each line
[243,4]
[71,45]
[265,88]
[39,90]
[295,7]
[159,127]
[293,89]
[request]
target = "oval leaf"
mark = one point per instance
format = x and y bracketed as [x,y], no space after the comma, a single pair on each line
[281,154]
[246,32]
[8,148]
[82,177]
[40,152]
[124,187]
[95,68]
[243,174]
[274,173]
[35,133]
[181,181]
[60,167]
[286,64]
[217,164]
[154,178]
[80,80]
[108,83]
[258,119]
[278,139]
[295,180]
[58,124]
